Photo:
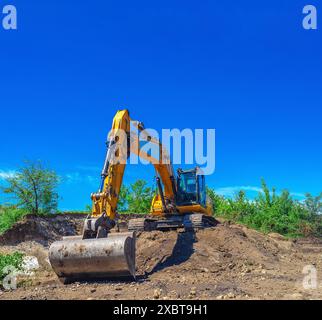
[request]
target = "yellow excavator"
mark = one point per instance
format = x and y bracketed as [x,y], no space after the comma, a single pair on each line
[102,252]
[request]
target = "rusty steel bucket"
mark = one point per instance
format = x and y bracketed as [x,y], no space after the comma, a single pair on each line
[76,259]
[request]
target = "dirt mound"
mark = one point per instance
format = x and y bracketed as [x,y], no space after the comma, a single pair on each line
[222,248]
[46,229]
[225,262]
[42,229]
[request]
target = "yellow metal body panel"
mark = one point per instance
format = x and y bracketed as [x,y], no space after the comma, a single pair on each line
[157,210]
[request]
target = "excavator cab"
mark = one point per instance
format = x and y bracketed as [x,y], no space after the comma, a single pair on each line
[191,188]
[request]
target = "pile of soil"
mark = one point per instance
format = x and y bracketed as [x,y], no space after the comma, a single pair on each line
[225,262]
[47,229]
[43,229]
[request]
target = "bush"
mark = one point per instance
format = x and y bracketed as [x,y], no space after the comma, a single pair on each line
[15,260]
[9,215]
[231,209]
[270,212]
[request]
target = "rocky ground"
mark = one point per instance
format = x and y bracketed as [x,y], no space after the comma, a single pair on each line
[225,262]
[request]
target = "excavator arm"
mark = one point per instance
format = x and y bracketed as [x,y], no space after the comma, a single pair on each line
[121,142]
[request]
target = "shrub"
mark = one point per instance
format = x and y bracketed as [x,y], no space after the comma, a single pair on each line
[13,260]
[270,212]
[9,215]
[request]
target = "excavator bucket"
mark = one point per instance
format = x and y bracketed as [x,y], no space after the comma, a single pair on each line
[75,258]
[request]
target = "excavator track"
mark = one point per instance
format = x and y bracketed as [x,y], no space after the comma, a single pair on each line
[188,222]
[199,221]
[142,224]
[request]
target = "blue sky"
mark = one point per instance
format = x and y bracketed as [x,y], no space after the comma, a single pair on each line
[246,68]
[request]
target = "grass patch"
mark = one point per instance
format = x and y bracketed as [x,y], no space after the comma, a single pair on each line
[9,216]
[13,260]
[75,212]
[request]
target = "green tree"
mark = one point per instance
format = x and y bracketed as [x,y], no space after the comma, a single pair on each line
[266,198]
[122,200]
[215,199]
[140,197]
[313,205]
[33,188]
